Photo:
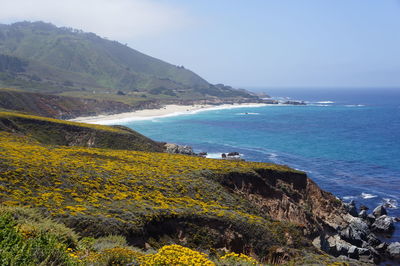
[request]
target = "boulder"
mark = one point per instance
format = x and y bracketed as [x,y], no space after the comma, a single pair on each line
[373,240]
[233,153]
[381,248]
[351,208]
[394,250]
[363,214]
[363,207]
[383,224]
[353,252]
[379,211]
[223,155]
[356,232]
[180,149]
[370,219]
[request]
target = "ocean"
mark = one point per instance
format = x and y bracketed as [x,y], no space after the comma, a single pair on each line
[348,141]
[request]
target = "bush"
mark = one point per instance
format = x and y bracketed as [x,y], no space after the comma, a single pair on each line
[109,242]
[31,222]
[19,249]
[237,259]
[176,255]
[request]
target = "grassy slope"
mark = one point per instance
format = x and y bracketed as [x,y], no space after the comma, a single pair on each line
[59,132]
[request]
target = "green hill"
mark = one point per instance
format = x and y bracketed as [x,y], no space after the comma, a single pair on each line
[40,57]
[58,132]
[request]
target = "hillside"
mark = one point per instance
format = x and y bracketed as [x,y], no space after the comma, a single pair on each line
[153,200]
[40,57]
[64,107]
[57,132]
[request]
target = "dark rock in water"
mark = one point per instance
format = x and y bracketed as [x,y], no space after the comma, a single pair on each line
[223,155]
[379,211]
[394,250]
[233,153]
[390,204]
[363,214]
[351,208]
[363,207]
[203,154]
[371,218]
[383,224]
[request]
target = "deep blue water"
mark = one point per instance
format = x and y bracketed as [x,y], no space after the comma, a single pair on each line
[350,147]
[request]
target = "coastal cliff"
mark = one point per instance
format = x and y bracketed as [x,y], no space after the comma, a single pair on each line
[268,212]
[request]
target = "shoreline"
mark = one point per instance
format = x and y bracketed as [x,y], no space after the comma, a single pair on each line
[165,111]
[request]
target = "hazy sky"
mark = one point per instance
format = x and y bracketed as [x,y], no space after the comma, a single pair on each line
[271,43]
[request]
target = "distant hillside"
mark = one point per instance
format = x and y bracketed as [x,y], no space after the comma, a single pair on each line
[43,58]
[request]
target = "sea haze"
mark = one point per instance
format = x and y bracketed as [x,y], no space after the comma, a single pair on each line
[348,141]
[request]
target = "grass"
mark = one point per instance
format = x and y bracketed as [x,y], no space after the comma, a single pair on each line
[61,132]
[12,115]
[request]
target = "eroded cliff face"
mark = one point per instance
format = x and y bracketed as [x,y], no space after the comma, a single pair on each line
[291,197]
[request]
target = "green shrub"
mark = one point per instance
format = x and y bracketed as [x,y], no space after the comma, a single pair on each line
[30,221]
[19,249]
[109,242]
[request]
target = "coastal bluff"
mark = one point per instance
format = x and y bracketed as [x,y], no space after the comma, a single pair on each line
[269,212]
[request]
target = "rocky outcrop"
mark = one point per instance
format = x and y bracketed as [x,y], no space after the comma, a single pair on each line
[179,149]
[351,208]
[393,250]
[383,224]
[357,239]
[290,197]
[337,228]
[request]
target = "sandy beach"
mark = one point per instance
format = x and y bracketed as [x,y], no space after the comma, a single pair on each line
[166,111]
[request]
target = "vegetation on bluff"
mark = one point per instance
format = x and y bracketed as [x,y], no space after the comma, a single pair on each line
[59,132]
[27,238]
[125,205]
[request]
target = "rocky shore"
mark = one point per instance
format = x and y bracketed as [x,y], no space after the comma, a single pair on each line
[354,234]
[364,236]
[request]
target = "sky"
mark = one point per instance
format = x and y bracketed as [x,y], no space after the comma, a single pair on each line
[245,43]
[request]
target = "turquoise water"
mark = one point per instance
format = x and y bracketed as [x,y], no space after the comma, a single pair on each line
[350,147]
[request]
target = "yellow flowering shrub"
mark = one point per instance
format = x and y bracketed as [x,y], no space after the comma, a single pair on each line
[78,180]
[235,258]
[177,255]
